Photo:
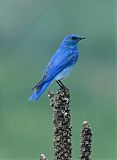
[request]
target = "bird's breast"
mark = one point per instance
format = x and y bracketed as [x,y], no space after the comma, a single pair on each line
[64,73]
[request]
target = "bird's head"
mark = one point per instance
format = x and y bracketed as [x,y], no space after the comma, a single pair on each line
[72,39]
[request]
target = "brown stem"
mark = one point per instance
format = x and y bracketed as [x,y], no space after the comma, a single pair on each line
[61,119]
[43,157]
[85,147]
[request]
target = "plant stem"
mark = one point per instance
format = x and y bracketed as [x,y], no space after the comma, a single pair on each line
[61,119]
[43,157]
[85,147]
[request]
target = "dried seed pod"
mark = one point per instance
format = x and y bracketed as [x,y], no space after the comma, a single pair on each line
[61,119]
[43,157]
[85,147]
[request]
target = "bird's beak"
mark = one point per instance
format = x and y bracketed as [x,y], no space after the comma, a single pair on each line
[82,38]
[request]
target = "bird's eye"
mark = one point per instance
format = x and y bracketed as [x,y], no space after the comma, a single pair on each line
[73,38]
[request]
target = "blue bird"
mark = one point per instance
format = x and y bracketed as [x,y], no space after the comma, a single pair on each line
[59,66]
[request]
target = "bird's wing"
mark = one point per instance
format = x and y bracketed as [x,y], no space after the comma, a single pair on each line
[58,63]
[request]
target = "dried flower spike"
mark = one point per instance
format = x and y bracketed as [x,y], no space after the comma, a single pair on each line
[85,147]
[61,119]
[43,157]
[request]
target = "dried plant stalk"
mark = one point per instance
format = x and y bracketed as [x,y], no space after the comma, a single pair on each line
[43,157]
[85,147]
[61,119]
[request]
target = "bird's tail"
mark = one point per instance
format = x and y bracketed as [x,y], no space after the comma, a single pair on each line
[37,92]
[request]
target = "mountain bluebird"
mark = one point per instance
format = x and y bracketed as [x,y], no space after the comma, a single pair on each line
[59,66]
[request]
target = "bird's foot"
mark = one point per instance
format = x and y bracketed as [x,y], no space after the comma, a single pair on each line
[61,85]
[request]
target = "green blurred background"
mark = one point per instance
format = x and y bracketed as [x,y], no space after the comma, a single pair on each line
[30,32]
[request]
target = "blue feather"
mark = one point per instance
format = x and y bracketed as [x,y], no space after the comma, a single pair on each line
[37,93]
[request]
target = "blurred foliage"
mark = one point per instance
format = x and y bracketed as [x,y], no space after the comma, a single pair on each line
[30,32]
